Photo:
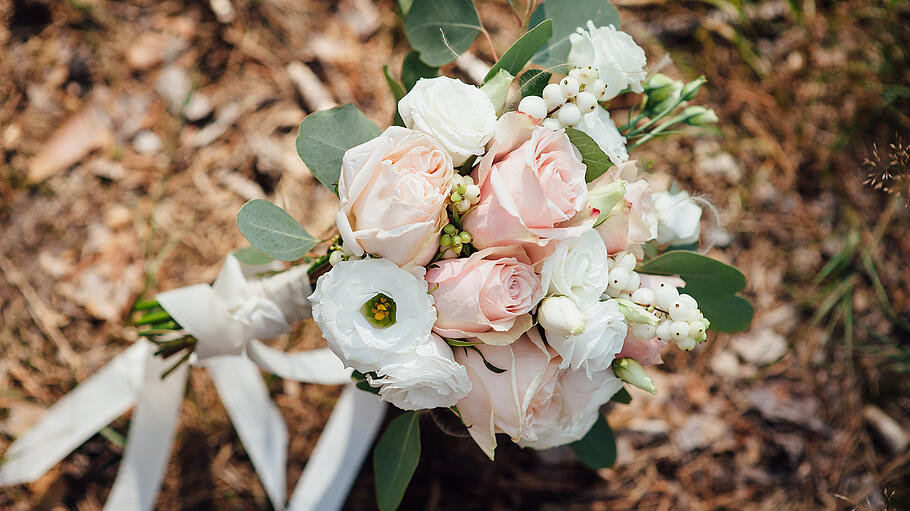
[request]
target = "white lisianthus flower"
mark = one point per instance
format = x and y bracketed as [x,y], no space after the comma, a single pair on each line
[459,116]
[371,310]
[577,269]
[679,218]
[580,397]
[559,315]
[599,126]
[619,61]
[594,349]
[427,378]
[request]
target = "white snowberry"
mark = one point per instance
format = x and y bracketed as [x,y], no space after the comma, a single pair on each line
[569,86]
[643,331]
[643,296]
[569,115]
[535,106]
[553,96]
[586,102]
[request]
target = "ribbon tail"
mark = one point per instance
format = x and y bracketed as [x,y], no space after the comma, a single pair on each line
[314,366]
[74,419]
[339,453]
[259,424]
[151,436]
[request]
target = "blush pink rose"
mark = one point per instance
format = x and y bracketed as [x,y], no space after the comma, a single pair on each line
[492,290]
[533,401]
[393,190]
[532,189]
[633,221]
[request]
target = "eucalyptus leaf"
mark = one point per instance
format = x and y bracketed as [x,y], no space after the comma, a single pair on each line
[532,82]
[273,231]
[597,449]
[252,256]
[405,6]
[515,58]
[441,31]
[731,313]
[413,69]
[324,137]
[567,16]
[596,161]
[398,91]
[704,276]
[395,459]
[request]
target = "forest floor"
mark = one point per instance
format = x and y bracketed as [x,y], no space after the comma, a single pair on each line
[132,132]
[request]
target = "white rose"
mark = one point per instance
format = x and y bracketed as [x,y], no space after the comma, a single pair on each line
[578,399]
[679,218]
[594,349]
[427,378]
[460,116]
[599,126]
[619,61]
[577,269]
[371,310]
[560,315]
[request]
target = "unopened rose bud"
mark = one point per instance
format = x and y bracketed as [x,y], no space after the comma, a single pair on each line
[660,87]
[630,371]
[699,116]
[560,316]
[690,89]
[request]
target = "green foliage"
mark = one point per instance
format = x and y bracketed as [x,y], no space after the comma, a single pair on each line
[324,137]
[395,459]
[413,69]
[596,161]
[515,58]
[567,16]
[532,82]
[252,256]
[273,231]
[622,397]
[398,91]
[440,31]
[598,448]
[712,283]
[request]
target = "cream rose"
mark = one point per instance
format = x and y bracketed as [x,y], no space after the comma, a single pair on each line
[619,61]
[594,349]
[679,218]
[533,402]
[577,269]
[532,189]
[426,378]
[460,116]
[488,291]
[393,191]
[633,220]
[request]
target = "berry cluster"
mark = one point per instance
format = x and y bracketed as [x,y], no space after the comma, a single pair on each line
[565,103]
[453,241]
[464,193]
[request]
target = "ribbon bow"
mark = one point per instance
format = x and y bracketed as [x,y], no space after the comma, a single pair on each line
[226,318]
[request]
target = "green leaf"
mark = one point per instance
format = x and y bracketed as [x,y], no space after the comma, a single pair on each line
[622,397]
[361,382]
[273,231]
[405,6]
[731,313]
[497,89]
[515,58]
[252,256]
[704,276]
[532,82]
[598,448]
[413,69]
[324,137]
[441,31]
[398,91]
[567,16]
[395,459]
[591,155]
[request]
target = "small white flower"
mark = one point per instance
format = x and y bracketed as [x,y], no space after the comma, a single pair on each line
[559,316]
[619,61]
[370,310]
[594,349]
[599,126]
[428,377]
[679,218]
[460,116]
[577,269]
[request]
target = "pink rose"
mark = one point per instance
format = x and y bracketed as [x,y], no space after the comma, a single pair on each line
[532,187]
[492,290]
[533,401]
[393,191]
[633,221]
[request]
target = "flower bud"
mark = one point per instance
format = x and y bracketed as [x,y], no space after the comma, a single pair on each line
[560,316]
[699,116]
[630,371]
[690,89]
[660,87]
[635,313]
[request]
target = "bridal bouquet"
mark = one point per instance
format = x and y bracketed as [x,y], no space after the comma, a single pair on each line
[498,253]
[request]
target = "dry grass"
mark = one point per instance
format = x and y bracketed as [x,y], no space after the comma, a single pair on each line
[803,94]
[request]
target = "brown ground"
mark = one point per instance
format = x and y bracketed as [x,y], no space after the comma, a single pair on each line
[107,193]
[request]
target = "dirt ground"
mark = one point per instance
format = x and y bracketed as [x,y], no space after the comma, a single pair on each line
[132,132]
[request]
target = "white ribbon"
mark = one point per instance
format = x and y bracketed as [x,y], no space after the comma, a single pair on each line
[226,318]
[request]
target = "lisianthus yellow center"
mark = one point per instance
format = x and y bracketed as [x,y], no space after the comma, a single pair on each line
[379,311]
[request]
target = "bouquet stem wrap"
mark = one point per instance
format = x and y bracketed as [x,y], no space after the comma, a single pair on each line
[226,318]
